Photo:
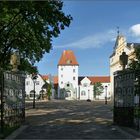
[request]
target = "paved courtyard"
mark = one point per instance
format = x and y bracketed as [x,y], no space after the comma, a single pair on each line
[71,120]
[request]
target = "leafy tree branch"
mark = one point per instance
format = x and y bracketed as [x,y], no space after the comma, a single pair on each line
[29,27]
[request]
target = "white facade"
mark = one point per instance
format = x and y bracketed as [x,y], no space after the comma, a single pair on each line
[39,82]
[85,89]
[29,86]
[68,81]
[121,45]
[69,85]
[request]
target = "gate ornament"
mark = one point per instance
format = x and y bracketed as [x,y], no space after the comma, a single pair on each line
[123,60]
[15,61]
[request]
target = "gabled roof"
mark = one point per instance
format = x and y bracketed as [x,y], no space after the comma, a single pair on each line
[112,54]
[117,40]
[101,79]
[55,79]
[95,79]
[80,78]
[45,77]
[68,58]
[135,45]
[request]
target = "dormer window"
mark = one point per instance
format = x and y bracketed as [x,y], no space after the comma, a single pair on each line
[27,83]
[37,82]
[69,61]
[85,85]
[83,93]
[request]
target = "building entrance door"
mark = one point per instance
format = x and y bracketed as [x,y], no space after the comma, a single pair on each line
[68,95]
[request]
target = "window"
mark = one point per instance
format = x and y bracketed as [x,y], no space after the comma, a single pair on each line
[37,82]
[68,61]
[27,83]
[61,75]
[61,82]
[73,70]
[68,85]
[112,60]
[73,78]
[61,68]
[83,93]
[85,85]
[31,95]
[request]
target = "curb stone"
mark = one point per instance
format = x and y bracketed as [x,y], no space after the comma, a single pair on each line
[16,132]
[132,131]
[133,134]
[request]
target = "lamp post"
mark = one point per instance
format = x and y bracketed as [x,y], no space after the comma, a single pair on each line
[34,77]
[105,94]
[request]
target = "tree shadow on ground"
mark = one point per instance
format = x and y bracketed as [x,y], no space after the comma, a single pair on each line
[70,120]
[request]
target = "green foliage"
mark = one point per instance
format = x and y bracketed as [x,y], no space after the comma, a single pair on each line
[135,64]
[137,112]
[98,89]
[26,66]
[49,92]
[29,27]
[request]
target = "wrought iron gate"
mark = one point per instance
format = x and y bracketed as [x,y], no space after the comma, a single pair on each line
[124,97]
[12,99]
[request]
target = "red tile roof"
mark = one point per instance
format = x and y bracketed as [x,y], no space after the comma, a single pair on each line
[102,79]
[55,79]
[45,77]
[93,79]
[68,58]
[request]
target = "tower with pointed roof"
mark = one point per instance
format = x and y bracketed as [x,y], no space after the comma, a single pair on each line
[68,76]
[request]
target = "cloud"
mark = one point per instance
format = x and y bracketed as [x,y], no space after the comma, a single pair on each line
[135,30]
[92,41]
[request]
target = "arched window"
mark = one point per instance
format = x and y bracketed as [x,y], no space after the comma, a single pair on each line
[83,93]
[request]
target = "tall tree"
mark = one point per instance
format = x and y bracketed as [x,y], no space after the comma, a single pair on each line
[29,27]
[98,89]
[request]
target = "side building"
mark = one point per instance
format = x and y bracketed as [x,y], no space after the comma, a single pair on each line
[39,86]
[121,45]
[87,87]
[31,86]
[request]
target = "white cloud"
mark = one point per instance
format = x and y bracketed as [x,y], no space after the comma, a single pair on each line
[92,41]
[135,30]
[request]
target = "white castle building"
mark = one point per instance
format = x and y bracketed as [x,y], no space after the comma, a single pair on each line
[73,87]
[68,76]
[68,84]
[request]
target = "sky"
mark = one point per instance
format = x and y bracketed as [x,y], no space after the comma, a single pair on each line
[92,33]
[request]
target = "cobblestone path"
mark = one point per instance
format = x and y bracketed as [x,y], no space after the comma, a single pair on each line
[71,120]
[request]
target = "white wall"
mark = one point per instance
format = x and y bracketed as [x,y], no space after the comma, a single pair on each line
[66,74]
[29,84]
[85,89]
